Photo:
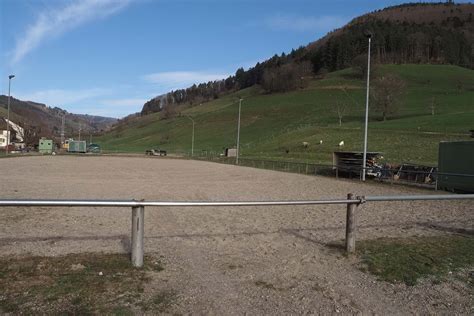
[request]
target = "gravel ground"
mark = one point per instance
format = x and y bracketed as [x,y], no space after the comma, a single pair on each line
[256,260]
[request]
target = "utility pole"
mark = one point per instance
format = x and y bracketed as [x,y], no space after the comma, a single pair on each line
[62,129]
[10,77]
[90,130]
[364,164]
[238,134]
[192,137]
[80,127]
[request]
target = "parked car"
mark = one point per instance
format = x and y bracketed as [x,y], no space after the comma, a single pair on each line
[155,152]
[93,148]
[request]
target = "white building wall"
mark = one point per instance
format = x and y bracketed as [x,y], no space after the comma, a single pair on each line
[3,139]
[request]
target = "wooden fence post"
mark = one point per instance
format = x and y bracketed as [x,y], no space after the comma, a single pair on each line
[350,225]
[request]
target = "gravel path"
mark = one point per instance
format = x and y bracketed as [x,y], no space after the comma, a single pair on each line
[257,260]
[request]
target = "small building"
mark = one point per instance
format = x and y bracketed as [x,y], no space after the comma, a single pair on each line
[46,146]
[4,139]
[77,146]
[231,152]
[455,166]
[66,143]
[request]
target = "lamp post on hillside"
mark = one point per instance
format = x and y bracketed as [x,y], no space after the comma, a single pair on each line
[10,77]
[192,137]
[238,134]
[364,163]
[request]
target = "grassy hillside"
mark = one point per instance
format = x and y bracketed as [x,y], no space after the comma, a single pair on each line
[273,124]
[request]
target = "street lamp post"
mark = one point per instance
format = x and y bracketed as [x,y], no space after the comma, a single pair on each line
[364,164]
[238,134]
[10,77]
[192,137]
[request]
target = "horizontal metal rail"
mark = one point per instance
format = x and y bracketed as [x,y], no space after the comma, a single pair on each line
[433,197]
[138,211]
[133,203]
[137,203]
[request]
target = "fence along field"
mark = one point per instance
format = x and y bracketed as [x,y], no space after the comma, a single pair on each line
[200,244]
[138,211]
[426,179]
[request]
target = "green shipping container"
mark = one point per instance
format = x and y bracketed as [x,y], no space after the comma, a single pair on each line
[77,146]
[45,146]
[456,159]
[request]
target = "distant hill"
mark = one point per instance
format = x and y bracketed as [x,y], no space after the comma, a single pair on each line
[441,33]
[41,120]
[415,33]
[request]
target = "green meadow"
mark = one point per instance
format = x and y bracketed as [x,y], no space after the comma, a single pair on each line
[274,126]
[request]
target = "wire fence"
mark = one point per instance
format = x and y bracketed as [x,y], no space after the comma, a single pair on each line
[277,165]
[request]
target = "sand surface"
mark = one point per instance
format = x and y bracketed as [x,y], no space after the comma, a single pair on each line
[217,259]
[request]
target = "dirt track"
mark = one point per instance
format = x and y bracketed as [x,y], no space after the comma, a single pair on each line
[259,260]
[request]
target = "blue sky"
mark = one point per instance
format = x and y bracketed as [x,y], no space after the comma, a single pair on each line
[107,57]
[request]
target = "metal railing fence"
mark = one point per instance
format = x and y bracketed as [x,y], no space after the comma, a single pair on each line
[138,211]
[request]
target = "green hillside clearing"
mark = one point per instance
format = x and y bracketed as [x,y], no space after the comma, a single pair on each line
[273,124]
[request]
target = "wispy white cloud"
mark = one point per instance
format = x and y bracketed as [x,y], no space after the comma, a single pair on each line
[54,22]
[287,22]
[181,79]
[61,97]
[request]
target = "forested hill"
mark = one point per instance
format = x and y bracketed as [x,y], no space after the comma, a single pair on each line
[420,33]
[40,120]
[440,33]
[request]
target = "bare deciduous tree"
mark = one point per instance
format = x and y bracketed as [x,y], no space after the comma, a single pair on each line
[340,110]
[168,111]
[360,66]
[386,93]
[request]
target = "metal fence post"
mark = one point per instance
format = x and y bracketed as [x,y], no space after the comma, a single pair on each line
[138,216]
[350,225]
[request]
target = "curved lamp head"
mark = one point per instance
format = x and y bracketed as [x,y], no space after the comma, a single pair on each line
[11,76]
